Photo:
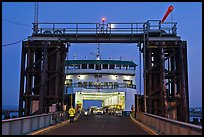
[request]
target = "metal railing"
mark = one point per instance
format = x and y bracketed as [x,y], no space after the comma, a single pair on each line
[168,126]
[114,86]
[25,125]
[108,28]
[102,71]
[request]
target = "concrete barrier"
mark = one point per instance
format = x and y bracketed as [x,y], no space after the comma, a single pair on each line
[168,126]
[25,125]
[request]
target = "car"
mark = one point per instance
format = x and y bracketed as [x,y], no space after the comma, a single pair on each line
[118,112]
[86,113]
[110,111]
[98,111]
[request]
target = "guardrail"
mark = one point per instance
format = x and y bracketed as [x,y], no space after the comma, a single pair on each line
[105,28]
[102,71]
[25,125]
[114,86]
[168,126]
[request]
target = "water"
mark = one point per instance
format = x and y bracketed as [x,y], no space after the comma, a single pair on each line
[5,107]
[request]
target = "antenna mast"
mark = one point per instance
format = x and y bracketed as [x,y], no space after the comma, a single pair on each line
[98,56]
[36,17]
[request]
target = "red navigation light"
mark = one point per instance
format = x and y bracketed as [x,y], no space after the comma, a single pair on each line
[103,19]
[167,13]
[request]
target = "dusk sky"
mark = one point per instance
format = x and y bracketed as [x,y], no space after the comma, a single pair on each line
[17,19]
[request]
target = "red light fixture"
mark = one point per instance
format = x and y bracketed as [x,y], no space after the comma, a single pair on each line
[103,19]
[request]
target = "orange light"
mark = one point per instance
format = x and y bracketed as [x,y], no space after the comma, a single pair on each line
[103,19]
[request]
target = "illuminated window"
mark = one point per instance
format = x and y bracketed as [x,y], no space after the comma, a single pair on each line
[125,67]
[111,84]
[90,84]
[105,84]
[118,67]
[71,66]
[85,84]
[116,84]
[77,66]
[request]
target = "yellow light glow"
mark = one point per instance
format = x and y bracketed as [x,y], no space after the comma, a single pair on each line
[68,77]
[127,77]
[81,77]
[112,26]
[103,19]
[114,77]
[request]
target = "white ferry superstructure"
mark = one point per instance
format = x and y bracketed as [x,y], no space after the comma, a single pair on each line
[111,81]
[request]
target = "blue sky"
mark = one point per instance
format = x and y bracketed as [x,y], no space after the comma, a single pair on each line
[17,19]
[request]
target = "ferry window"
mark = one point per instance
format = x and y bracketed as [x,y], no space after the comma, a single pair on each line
[85,84]
[116,84]
[95,84]
[91,66]
[127,81]
[131,67]
[84,66]
[105,66]
[71,66]
[125,66]
[77,66]
[69,82]
[105,84]
[79,84]
[112,66]
[111,84]
[90,84]
[118,66]
[98,66]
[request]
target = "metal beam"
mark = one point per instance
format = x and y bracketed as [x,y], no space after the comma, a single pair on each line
[92,38]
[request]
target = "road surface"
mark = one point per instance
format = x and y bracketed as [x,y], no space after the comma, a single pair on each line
[99,125]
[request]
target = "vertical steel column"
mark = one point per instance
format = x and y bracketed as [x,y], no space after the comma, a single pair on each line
[150,104]
[140,68]
[162,83]
[62,74]
[37,69]
[184,91]
[29,71]
[57,69]
[145,43]
[20,113]
[43,79]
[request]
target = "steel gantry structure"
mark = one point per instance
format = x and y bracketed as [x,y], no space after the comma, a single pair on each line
[164,63]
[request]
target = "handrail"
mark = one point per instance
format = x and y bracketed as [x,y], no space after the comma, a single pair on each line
[175,121]
[25,125]
[168,126]
[108,28]
[119,85]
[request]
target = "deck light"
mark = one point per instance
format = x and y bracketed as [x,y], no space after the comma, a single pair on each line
[103,19]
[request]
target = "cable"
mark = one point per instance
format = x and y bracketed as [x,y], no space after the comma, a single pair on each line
[17,23]
[13,43]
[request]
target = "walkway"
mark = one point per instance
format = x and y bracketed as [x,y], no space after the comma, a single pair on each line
[99,125]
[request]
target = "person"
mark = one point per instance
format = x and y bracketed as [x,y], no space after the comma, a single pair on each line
[132,109]
[57,107]
[71,114]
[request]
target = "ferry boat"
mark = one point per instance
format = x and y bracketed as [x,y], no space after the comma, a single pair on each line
[111,81]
